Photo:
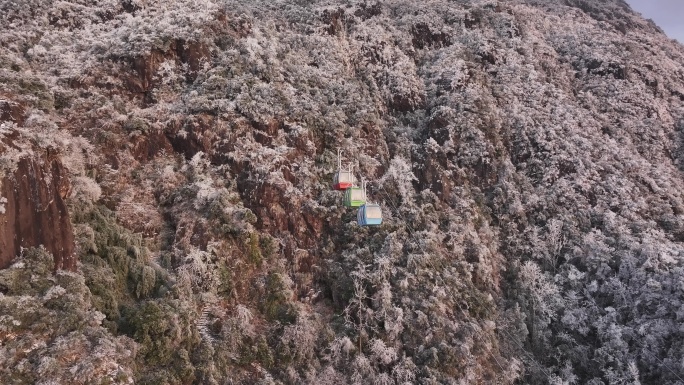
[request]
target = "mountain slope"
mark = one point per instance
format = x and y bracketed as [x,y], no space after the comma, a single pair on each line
[527,156]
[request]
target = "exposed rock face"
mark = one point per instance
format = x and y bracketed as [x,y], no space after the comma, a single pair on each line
[146,147]
[146,67]
[11,110]
[35,212]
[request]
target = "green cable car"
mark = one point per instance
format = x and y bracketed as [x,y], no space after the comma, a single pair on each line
[354,197]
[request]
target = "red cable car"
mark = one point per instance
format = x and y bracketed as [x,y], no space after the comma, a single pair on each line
[343,179]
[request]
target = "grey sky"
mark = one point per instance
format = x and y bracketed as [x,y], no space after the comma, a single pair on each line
[667,14]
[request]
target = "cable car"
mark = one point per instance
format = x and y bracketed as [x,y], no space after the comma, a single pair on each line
[354,197]
[343,179]
[369,214]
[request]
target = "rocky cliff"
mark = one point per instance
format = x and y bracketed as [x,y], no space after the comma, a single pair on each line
[33,189]
[527,156]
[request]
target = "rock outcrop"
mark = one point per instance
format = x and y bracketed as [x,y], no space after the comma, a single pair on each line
[34,211]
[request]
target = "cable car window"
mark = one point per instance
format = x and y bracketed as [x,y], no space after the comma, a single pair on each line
[373,212]
[357,195]
[345,177]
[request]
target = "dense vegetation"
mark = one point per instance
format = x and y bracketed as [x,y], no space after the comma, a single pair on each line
[527,154]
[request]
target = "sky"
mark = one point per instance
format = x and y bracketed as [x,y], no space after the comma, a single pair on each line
[667,14]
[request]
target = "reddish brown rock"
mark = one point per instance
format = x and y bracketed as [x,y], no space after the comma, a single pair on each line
[145,67]
[194,54]
[11,110]
[34,210]
[430,176]
[147,147]
[278,212]
[194,134]
[407,102]
[335,20]
[191,232]
[424,37]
